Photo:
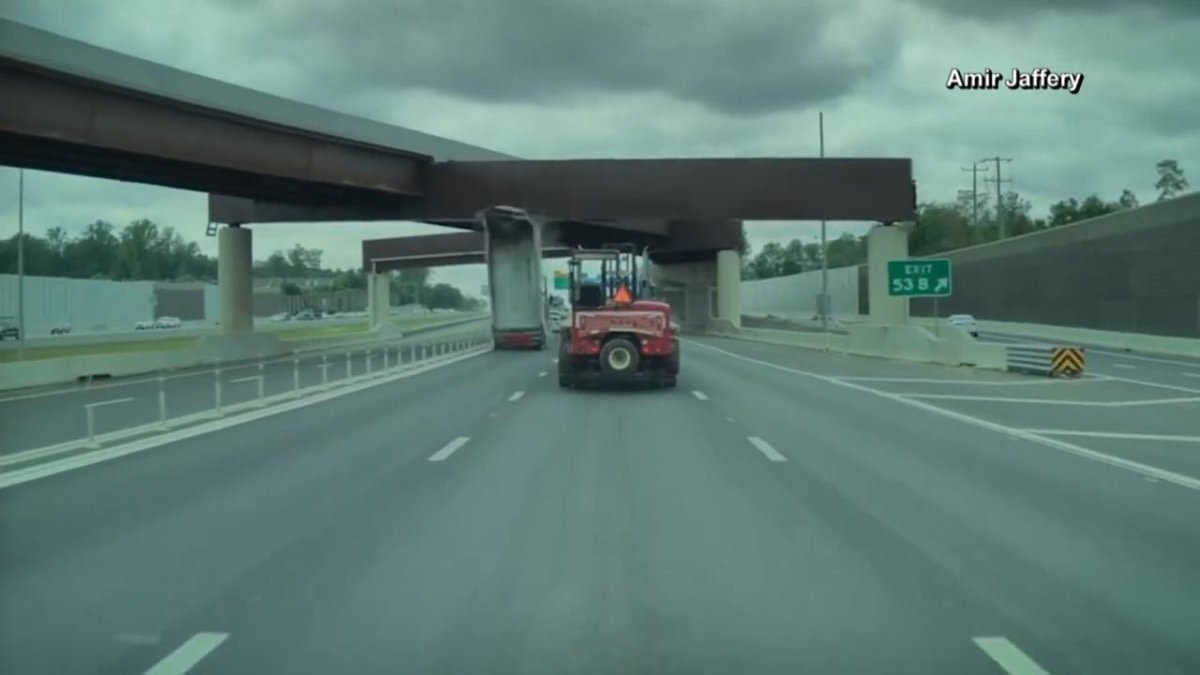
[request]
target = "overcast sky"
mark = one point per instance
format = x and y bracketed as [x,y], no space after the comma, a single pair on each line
[671,78]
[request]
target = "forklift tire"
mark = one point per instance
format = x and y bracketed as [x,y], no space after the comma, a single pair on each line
[619,357]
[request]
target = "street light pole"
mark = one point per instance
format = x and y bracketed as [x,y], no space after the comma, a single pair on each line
[21,255]
[824,300]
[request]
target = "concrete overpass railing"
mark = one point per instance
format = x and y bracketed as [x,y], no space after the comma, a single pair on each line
[341,371]
[211,352]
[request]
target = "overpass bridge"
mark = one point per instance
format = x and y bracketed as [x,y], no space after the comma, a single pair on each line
[75,108]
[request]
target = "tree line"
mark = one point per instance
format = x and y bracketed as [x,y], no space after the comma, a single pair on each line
[944,226]
[145,251]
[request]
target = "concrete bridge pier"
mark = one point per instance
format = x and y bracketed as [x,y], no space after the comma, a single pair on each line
[702,294]
[884,243]
[379,299]
[729,288]
[235,280]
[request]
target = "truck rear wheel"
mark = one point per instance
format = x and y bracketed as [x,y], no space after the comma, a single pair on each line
[619,357]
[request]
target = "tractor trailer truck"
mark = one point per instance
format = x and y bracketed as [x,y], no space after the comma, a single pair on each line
[516,285]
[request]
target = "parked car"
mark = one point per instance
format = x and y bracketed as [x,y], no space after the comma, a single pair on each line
[168,322]
[60,329]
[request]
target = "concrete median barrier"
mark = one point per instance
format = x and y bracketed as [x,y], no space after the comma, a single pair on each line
[210,350]
[1065,335]
[904,342]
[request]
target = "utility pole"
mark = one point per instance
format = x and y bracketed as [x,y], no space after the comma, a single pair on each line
[824,301]
[998,181]
[975,171]
[21,256]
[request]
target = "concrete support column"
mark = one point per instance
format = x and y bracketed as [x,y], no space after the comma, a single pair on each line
[379,299]
[235,281]
[885,243]
[729,287]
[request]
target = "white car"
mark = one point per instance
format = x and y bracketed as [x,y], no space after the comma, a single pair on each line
[169,322]
[965,322]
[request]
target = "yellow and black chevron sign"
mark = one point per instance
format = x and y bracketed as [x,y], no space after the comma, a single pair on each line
[1067,361]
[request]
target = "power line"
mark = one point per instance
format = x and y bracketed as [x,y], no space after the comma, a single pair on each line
[975,171]
[998,181]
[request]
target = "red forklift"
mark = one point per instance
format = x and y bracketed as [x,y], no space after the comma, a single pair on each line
[614,333]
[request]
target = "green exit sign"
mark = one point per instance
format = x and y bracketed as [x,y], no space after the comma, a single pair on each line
[919,278]
[561,281]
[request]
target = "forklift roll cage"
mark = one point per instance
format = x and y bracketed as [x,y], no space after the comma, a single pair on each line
[618,264]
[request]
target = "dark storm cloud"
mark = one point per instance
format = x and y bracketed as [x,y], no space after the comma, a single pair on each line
[734,57]
[1018,9]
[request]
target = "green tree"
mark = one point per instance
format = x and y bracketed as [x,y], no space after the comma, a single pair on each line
[1171,181]
[304,261]
[768,262]
[1127,200]
[445,296]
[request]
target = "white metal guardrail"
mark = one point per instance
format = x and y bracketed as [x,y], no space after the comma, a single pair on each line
[1048,360]
[377,361]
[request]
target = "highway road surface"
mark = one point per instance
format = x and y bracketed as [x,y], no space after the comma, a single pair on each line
[781,511]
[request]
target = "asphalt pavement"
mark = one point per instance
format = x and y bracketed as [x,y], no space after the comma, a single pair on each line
[1171,371]
[51,416]
[781,511]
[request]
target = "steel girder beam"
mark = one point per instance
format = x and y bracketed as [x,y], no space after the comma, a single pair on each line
[54,123]
[640,194]
[690,240]
[229,209]
[748,189]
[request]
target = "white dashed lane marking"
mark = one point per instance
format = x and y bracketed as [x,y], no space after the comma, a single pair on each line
[1008,656]
[766,449]
[188,654]
[449,449]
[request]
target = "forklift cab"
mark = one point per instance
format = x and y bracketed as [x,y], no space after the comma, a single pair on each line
[616,283]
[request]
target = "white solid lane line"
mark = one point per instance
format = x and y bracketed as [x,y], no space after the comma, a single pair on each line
[188,654]
[127,399]
[1166,438]
[766,449]
[1126,366]
[449,449]
[1178,479]
[699,394]
[516,396]
[1191,374]
[1008,656]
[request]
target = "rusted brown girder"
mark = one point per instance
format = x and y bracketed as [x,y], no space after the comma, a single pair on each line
[52,122]
[747,189]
